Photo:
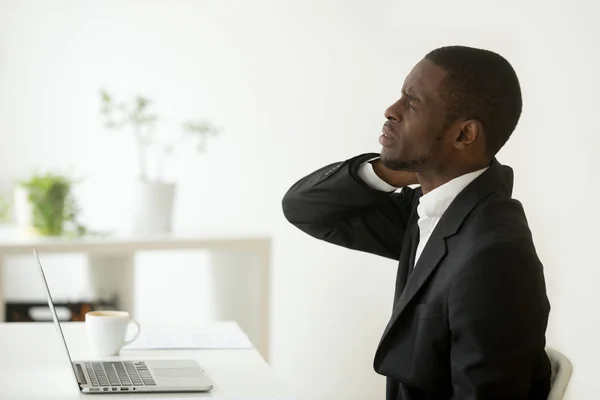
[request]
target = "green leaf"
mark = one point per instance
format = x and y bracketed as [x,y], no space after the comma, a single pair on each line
[106,98]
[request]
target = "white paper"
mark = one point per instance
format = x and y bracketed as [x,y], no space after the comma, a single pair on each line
[226,339]
[237,398]
[251,398]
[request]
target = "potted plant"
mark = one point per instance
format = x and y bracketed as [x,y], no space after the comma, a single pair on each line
[44,205]
[153,193]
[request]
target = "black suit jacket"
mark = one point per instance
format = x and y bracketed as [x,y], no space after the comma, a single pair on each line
[469,321]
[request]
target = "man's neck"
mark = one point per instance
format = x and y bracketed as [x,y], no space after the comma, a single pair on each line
[430,180]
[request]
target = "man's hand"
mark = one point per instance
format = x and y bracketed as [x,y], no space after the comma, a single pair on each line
[394,178]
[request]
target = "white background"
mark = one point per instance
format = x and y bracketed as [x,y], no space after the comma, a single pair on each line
[297,85]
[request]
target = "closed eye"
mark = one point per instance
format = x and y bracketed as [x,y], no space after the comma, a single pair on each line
[409,100]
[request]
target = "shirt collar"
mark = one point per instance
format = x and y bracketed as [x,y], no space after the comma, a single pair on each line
[435,203]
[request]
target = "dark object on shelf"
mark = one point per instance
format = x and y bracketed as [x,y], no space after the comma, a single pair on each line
[40,312]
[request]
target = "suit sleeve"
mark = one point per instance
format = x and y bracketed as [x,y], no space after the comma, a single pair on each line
[498,313]
[335,205]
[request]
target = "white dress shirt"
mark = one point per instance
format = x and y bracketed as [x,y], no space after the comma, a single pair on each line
[431,205]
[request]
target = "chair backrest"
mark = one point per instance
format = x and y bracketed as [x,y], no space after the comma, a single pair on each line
[562,369]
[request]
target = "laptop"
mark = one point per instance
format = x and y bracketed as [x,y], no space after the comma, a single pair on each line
[104,377]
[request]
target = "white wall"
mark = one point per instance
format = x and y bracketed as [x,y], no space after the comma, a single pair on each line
[297,85]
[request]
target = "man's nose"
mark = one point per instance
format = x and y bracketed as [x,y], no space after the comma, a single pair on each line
[393,113]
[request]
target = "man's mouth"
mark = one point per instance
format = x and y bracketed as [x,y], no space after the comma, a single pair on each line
[388,132]
[388,138]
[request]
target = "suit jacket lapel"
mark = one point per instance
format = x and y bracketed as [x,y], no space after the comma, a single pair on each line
[493,179]
[434,251]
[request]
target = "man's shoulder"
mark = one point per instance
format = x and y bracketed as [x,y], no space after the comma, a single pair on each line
[499,219]
[497,235]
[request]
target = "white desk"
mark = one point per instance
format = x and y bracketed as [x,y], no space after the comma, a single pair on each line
[241,270]
[32,357]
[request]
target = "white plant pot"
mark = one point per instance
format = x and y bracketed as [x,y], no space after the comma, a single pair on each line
[22,212]
[152,207]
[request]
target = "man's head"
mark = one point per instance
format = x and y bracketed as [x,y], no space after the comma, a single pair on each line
[459,106]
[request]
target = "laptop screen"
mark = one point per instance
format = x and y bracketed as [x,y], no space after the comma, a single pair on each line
[54,316]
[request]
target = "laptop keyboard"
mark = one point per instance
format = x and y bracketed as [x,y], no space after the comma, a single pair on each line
[125,373]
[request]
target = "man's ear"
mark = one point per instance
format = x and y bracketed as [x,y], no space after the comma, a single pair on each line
[471,131]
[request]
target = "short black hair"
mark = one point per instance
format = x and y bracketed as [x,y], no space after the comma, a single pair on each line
[480,85]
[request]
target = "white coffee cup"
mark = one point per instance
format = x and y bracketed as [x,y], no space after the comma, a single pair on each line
[106,331]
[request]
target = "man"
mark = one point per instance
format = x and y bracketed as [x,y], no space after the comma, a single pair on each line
[470,308]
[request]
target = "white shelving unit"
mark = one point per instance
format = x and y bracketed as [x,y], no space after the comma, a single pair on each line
[111,262]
